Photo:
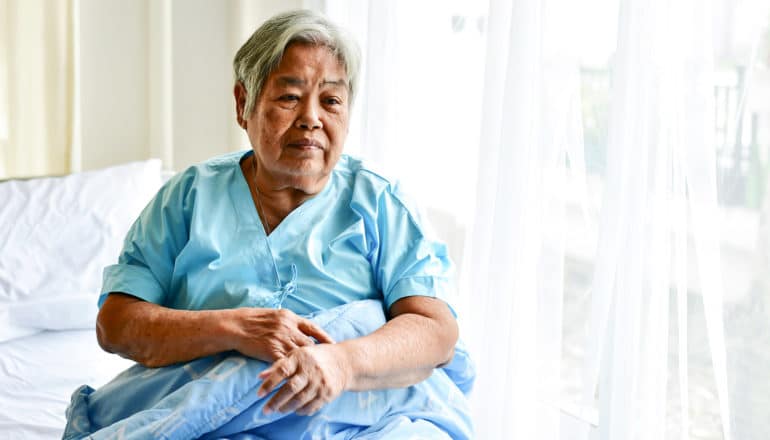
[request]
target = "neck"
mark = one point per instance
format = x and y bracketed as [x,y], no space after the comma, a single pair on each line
[276,199]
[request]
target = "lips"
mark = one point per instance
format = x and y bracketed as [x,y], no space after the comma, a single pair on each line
[306,143]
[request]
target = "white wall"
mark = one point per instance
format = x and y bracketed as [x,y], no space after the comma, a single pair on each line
[202,82]
[153,78]
[112,76]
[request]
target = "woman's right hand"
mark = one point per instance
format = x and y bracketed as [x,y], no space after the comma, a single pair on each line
[271,334]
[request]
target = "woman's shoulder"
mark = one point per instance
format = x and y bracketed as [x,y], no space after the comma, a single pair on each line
[357,172]
[211,175]
[370,185]
[225,161]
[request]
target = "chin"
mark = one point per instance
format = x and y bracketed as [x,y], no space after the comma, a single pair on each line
[306,168]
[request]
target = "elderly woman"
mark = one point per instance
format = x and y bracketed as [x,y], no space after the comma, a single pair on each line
[232,252]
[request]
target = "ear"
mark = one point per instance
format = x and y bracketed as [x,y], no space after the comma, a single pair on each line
[239,92]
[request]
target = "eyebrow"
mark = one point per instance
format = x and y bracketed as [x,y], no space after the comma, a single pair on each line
[290,81]
[294,81]
[338,83]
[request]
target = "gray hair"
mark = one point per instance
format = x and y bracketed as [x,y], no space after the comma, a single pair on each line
[262,52]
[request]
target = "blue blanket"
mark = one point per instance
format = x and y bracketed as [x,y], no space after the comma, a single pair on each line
[216,397]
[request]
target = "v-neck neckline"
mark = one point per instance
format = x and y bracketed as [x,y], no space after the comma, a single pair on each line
[247,207]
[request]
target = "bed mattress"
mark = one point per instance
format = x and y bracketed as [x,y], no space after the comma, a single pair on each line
[38,374]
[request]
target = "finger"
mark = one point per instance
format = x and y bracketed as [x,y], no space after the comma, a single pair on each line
[286,395]
[278,349]
[289,345]
[278,354]
[310,408]
[311,329]
[301,340]
[271,377]
[300,399]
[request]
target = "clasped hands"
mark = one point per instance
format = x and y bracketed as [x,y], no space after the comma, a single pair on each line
[313,374]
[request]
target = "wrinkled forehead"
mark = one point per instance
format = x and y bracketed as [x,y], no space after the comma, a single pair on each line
[300,63]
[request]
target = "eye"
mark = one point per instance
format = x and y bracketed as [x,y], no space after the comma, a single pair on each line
[288,101]
[332,101]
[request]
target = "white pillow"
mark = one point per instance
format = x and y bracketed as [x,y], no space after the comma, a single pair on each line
[56,236]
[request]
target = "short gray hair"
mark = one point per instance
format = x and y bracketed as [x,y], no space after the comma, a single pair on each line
[262,52]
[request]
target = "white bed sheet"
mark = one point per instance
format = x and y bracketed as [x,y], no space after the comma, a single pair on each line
[38,374]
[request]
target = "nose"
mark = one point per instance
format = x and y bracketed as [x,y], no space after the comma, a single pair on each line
[309,117]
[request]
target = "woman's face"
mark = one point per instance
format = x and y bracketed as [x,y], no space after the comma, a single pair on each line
[300,120]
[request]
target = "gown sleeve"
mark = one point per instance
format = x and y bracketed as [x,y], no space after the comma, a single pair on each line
[146,263]
[408,259]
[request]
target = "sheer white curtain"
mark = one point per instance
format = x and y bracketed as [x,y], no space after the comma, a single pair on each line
[531,112]
[660,192]
[36,87]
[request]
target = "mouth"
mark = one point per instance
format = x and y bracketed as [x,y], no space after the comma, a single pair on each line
[306,144]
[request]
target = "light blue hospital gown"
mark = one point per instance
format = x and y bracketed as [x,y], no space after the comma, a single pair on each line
[200,244]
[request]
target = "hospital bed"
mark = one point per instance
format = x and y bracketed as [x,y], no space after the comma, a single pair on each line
[56,235]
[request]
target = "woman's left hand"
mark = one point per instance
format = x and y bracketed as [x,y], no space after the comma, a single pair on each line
[315,375]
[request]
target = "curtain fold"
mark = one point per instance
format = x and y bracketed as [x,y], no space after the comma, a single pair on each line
[39,84]
[660,189]
[516,264]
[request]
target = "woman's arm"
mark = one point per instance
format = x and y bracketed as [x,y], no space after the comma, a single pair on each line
[156,336]
[419,337]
